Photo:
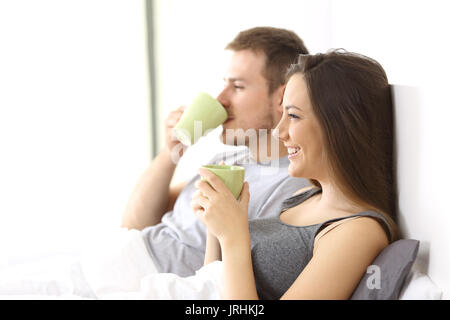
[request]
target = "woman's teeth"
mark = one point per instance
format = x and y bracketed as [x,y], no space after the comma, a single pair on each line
[293,152]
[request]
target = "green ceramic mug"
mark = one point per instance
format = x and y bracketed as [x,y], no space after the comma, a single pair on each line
[231,176]
[203,114]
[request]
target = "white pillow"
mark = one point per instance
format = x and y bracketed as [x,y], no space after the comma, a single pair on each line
[418,286]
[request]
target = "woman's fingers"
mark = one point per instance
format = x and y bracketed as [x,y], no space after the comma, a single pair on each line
[205,188]
[244,198]
[199,205]
[200,215]
[213,180]
[199,202]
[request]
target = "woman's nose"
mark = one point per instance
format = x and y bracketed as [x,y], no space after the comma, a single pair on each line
[280,131]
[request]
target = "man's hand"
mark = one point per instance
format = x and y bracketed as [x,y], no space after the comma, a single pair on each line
[174,146]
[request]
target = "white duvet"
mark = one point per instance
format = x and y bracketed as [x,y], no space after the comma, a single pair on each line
[114,266]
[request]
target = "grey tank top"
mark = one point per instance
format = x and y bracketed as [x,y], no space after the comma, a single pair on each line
[281,251]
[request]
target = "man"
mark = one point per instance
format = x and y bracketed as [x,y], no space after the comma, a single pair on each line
[252,96]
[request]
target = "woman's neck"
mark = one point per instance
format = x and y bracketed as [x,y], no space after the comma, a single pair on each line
[332,198]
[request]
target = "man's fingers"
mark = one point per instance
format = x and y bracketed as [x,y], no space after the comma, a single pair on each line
[172,120]
[174,116]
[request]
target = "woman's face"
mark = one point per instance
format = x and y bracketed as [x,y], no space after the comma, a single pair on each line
[300,131]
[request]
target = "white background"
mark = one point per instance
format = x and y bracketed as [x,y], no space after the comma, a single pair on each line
[74,119]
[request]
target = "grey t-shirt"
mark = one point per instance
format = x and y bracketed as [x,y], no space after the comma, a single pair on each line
[177,244]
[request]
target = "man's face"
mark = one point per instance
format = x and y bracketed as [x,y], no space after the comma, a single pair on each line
[245,95]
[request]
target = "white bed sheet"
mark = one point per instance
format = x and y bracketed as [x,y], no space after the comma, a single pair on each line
[419,286]
[45,278]
[114,266]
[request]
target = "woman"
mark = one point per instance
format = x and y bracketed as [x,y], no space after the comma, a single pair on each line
[337,126]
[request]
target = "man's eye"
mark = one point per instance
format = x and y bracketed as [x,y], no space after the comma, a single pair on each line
[238,87]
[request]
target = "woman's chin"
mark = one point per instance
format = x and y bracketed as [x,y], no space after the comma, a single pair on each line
[294,171]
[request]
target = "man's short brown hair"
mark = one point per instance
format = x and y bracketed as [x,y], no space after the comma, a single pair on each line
[281,48]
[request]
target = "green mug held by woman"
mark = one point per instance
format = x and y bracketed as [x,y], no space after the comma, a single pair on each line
[231,176]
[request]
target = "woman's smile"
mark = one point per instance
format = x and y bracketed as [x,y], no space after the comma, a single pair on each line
[293,151]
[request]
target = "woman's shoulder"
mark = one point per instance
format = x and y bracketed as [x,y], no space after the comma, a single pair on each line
[362,229]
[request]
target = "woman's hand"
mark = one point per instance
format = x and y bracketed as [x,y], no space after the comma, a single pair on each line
[224,216]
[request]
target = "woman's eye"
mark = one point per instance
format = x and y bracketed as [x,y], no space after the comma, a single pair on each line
[293,116]
[238,87]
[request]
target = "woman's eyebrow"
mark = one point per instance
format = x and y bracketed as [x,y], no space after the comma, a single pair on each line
[291,106]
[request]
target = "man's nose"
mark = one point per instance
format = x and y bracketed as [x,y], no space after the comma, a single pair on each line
[223,98]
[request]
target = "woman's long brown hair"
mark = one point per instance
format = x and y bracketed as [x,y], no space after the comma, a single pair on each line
[351,99]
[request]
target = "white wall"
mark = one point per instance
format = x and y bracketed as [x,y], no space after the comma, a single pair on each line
[409,38]
[74,120]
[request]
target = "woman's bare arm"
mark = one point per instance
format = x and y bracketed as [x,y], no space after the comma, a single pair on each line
[212,252]
[238,280]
